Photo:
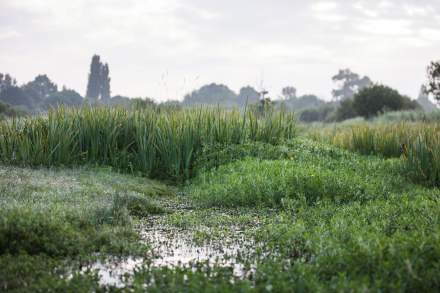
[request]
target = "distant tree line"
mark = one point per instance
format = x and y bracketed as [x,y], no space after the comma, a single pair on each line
[37,95]
[354,96]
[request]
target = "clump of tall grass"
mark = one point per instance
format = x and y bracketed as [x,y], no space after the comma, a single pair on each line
[423,156]
[155,143]
[388,140]
[417,143]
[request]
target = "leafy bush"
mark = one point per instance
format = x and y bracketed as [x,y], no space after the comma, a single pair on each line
[373,100]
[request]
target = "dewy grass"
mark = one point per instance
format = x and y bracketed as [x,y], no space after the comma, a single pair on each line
[70,213]
[156,143]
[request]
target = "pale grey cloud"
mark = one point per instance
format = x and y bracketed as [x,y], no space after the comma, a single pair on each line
[168,47]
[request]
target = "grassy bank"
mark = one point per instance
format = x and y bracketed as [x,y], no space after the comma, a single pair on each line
[50,216]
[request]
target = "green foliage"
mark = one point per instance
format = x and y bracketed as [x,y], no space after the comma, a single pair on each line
[308,176]
[373,100]
[156,143]
[387,244]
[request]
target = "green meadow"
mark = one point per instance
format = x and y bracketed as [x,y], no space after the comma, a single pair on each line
[212,200]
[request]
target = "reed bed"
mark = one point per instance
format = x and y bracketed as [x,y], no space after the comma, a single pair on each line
[418,144]
[161,144]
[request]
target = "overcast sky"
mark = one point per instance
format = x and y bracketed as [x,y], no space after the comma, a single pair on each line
[166,48]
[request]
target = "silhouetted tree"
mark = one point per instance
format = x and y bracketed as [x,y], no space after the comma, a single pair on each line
[98,86]
[350,84]
[434,80]
[94,82]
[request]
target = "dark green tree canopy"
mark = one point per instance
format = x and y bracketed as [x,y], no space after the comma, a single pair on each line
[349,84]
[373,100]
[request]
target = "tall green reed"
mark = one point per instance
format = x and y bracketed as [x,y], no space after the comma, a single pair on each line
[156,143]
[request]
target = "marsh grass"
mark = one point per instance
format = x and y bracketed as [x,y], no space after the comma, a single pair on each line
[418,144]
[156,143]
